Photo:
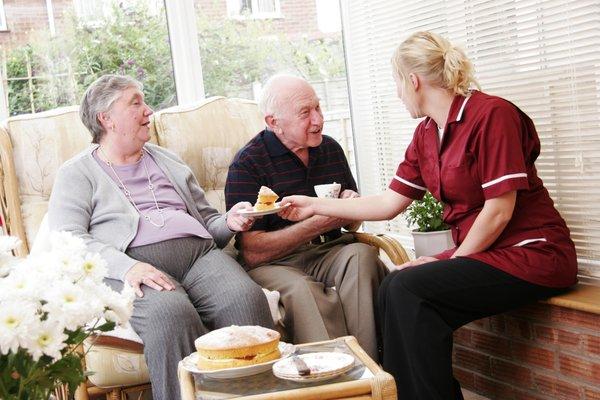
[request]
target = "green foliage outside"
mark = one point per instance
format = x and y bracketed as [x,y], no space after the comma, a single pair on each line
[132,41]
[426,214]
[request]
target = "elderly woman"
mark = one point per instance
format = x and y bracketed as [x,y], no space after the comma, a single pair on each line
[476,153]
[141,208]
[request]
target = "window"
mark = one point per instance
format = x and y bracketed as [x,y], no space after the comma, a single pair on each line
[253,9]
[543,56]
[238,55]
[3,26]
[131,37]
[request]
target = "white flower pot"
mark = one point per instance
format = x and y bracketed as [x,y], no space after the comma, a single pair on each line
[432,243]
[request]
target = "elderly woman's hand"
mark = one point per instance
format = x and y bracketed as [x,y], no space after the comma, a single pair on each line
[145,274]
[237,222]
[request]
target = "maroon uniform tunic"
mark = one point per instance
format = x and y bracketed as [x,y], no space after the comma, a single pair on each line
[488,148]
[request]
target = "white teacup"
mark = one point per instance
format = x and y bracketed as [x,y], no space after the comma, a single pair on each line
[329,190]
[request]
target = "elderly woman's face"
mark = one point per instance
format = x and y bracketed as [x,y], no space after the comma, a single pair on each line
[129,117]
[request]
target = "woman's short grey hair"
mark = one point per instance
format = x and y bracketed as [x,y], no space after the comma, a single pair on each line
[99,97]
[270,99]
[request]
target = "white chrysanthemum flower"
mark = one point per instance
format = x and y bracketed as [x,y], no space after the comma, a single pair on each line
[121,306]
[66,243]
[19,285]
[64,287]
[17,319]
[69,265]
[48,338]
[118,306]
[94,267]
[71,305]
[44,268]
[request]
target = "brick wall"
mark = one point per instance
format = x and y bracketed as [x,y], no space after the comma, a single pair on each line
[539,352]
[25,16]
[299,18]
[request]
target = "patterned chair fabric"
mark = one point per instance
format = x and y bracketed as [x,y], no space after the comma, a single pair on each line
[206,135]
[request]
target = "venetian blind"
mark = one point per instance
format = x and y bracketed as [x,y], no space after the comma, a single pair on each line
[543,56]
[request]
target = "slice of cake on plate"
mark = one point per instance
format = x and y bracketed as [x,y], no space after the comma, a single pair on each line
[266,199]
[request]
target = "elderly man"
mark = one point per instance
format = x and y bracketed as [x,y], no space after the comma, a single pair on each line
[326,280]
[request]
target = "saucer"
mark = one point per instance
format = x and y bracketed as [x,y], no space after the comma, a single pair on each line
[323,366]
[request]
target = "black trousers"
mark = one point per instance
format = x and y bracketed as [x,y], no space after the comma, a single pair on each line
[418,309]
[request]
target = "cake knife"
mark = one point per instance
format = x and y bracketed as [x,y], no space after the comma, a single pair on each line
[303,369]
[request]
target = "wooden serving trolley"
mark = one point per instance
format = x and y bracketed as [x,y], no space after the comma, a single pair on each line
[366,380]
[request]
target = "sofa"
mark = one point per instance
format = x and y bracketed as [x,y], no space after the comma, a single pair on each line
[206,135]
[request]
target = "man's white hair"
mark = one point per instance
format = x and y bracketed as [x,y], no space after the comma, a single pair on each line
[270,101]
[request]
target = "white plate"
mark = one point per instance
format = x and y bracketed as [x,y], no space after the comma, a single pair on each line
[278,207]
[190,364]
[323,365]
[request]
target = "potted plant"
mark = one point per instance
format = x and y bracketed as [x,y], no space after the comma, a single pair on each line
[432,235]
[49,304]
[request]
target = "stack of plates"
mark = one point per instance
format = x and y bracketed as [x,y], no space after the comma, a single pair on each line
[322,366]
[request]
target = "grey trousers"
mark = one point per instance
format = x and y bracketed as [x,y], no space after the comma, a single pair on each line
[327,291]
[212,291]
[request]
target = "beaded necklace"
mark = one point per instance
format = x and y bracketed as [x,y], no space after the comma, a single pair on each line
[128,193]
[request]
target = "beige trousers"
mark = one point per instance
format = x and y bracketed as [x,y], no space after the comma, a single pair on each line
[327,291]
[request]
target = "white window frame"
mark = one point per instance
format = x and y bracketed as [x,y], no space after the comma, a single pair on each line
[3,24]
[185,51]
[233,7]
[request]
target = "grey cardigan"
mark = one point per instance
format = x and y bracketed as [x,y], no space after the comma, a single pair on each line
[88,203]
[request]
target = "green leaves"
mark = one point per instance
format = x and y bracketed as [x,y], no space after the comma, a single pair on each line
[426,214]
[134,41]
[237,53]
[22,378]
[131,41]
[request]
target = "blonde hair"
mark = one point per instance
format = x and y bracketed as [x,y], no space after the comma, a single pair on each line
[431,56]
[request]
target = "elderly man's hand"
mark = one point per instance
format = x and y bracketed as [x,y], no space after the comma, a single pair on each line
[146,274]
[237,222]
[349,194]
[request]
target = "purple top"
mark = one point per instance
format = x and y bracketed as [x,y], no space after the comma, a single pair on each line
[178,223]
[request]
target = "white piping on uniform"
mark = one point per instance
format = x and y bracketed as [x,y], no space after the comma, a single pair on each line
[462,108]
[527,241]
[503,178]
[396,177]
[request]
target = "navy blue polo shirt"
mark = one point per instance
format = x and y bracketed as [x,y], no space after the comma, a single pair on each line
[265,161]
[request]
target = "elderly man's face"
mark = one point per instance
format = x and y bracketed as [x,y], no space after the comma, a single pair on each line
[299,121]
[130,117]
